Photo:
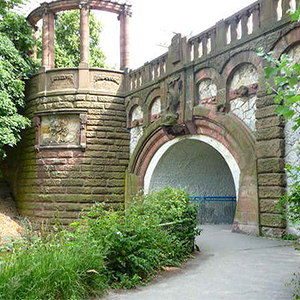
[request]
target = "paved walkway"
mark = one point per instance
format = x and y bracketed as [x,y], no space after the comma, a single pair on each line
[230,266]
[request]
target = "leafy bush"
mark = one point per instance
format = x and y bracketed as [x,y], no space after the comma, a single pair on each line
[156,230]
[106,248]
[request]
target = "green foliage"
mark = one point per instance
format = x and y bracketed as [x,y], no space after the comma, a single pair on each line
[157,230]
[6,5]
[64,266]
[67,40]
[16,28]
[15,67]
[289,204]
[106,248]
[286,76]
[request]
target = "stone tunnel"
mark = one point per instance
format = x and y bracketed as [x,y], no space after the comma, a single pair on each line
[199,117]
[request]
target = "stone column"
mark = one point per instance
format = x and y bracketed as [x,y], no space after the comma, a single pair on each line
[33,51]
[51,40]
[48,39]
[84,35]
[124,39]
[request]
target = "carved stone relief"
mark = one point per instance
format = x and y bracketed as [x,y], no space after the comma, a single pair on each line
[111,82]
[60,130]
[62,81]
[156,107]
[137,129]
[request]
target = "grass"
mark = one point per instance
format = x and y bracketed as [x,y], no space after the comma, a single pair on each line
[104,249]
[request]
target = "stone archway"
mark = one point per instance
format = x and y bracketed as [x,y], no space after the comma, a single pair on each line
[202,154]
[202,166]
[224,130]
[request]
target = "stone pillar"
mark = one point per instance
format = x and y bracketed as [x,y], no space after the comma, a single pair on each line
[51,41]
[48,39]
[84,35]
[270,164]
[33,51]
[256,17]
[124,39]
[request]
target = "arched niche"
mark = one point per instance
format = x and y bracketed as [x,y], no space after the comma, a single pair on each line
[135,125]
[207,92]
[241,93]
[155,109]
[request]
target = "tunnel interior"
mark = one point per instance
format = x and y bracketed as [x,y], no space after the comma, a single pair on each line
[201,170]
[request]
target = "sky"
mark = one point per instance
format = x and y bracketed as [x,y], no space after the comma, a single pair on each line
[154,23]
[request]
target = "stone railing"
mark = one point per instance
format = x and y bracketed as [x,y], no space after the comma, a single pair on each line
[148,73]
[256,19]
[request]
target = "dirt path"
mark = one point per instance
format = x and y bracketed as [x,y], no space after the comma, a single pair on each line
[10,228]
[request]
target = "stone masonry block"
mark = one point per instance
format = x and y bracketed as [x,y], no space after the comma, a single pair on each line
[272,232]
[268,206]
[265,101]
[271,148]
[272,179]
[265,112]
[270,192]
[269,133]
[270,165]
[272,220]
[269,122]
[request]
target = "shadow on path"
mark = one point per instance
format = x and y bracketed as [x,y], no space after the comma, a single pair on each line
[230,266]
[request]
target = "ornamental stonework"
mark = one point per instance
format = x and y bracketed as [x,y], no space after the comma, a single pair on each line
[110,82]
[60,130]
[61,81]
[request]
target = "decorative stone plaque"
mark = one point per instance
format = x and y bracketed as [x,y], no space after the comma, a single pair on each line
[111,82]
[61,129]
[62,81]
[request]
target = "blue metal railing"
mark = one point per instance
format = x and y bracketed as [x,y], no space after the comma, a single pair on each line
[212,198]
[215,209]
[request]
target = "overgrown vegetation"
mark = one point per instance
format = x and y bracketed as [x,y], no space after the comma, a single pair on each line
[106,248]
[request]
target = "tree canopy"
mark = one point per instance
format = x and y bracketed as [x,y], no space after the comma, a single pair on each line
[67,40]
[15,66]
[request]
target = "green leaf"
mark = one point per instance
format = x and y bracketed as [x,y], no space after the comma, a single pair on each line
[269,71]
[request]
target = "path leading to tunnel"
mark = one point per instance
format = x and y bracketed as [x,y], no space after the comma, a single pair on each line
[230,266]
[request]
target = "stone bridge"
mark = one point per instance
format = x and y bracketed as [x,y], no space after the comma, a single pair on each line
[198,116]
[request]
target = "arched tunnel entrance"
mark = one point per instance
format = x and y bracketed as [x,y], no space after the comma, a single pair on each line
[202,166]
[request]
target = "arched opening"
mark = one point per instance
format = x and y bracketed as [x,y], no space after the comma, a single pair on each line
[205,168]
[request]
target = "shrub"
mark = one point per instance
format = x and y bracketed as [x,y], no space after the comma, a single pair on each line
[105,248]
